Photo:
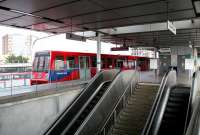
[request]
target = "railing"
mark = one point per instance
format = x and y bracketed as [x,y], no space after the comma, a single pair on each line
[154,121]
[70,112]
[106,110]
[19,83]
[194,123]
[160,91]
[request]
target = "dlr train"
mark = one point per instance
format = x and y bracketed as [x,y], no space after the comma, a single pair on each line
[57,66]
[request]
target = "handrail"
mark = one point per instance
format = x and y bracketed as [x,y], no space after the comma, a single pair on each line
[84,106]
[121,98]
[191,100]
[160,91]
[154,122]
[101,112]
[68,114]
[194,123]
[193,128]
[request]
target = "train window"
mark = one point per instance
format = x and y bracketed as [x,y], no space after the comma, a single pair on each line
[125,63]
[94,61]
[46,63]
[103,63]
[59,63]
[41,63]
[118,63]
[35,64]
[70,62]
[84,62]
[109,60]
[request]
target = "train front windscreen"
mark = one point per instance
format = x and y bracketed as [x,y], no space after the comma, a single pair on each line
[40,72]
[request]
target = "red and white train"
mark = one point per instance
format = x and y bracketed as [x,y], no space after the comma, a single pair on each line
[56,66]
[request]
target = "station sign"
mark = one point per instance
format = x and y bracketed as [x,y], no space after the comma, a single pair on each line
[153,63]
[171,27]
[75,37]
[119,49]
[189,64]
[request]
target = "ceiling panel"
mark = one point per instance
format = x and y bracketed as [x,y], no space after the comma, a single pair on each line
[45,26]
[98,17]
[140,20]
[23,21]
[121,3]
[32,5]
[161,38]
[70,10]
[140,10]
[64,30]
[4,15]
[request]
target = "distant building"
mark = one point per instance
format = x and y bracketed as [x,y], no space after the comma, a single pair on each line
[6,45]
[17,44]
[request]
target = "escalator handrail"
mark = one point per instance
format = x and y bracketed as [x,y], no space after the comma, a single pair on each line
[150,117]
[111,88]
[91,85]
[191,100]
[84,106]
[194,114]
[120,99]
[193,127]
[155,119]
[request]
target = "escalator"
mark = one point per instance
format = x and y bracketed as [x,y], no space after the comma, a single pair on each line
[75,113]
[133,117]
[174,118]
[87,109]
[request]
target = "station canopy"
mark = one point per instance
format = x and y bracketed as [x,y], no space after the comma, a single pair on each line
[130,22]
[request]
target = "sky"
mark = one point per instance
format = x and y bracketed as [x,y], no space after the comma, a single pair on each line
[56,42]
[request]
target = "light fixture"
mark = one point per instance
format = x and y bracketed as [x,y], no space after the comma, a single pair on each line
[196,5]
[190,44]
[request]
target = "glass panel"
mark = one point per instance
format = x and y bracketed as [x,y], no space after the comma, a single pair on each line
[41,63]
[70,62]
[35,64]
[82,61]
[109,62]
[119,63]
[93,62]
[59,63]
[87,62]
[46,63]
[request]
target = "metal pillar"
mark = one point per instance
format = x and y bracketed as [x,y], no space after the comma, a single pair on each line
[98,52]
[195,54]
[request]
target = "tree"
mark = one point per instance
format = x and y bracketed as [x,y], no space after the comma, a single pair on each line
[16,59]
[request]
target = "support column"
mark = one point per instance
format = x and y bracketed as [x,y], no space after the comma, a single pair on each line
[98,52]
[195,54]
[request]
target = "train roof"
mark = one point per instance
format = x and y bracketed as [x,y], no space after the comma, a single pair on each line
[76,53]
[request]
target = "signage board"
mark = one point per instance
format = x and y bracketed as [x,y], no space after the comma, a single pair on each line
[189,64]
[153,63]
[171,27]
[119,49]
[75,37]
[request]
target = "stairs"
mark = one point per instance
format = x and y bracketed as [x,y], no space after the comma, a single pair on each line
[132,118]
[173,121]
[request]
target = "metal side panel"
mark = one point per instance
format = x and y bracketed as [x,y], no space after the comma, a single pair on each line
[70,112]
[98,116]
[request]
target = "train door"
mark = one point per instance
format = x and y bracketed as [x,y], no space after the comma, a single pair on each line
[84,68]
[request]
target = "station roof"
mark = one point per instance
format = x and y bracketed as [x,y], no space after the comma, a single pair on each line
[105,16]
